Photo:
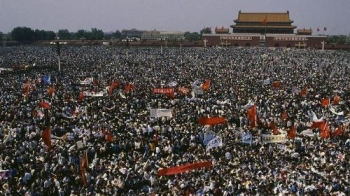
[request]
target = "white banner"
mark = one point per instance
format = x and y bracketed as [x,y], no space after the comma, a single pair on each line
[216,142]
[246,138]
[331,108]
[87,81]
[209,135]
[160,113]
[267,81]
[273,138]
[172,84]
[93,94]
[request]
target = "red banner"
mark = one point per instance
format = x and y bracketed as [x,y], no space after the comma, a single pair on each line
[163,90]
[44,105]
[211,120]
[183,168]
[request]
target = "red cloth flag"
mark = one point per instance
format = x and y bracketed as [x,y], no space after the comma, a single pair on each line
[26,88]
[81,97]
[156,138]
[83,164]
[316,124]
[183,90]
[183,168]
[325,131]
[46,136]
[206,85]
[325,102]
[113,86]
[276,84]
[108,136]
[211,120]
[252,116]
[336,99]
[264,22]
[338,131]
[45,105]
[129,87]
[291,133]
[303,92]
[284,115]
[274,128]
[50,91]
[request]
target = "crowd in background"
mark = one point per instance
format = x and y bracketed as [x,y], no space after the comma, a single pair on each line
[125,148]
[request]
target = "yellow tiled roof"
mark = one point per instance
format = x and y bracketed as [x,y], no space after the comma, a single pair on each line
[261,26]
[259,17]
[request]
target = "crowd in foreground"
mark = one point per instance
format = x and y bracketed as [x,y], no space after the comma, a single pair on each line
[109,144]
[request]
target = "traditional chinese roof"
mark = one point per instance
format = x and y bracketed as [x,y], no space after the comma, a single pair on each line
[259,17]
[262,27]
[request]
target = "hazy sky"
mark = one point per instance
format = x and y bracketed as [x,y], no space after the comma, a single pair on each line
[166,15]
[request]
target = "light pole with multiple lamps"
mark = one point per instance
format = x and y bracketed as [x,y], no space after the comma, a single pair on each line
[161,44]
[58,50]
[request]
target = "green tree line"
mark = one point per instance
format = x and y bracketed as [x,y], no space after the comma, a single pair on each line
[26,34]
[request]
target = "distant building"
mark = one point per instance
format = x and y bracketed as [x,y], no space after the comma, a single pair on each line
[132,33]
[263,29]
[163,35]
[277,23]
[221,30]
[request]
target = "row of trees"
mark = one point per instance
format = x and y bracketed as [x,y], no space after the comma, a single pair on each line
[30,35]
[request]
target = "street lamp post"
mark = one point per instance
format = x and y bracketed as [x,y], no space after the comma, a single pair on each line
[205,43]
[181,40]
[58,50]
[161,44]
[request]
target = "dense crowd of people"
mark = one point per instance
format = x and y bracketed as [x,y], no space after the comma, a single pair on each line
[110,145]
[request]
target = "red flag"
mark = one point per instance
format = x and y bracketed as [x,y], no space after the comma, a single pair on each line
[83,163]
[81,97]
[303,92]
[264,22]
[338,131]
[325,131]
[183,168]
[252,116]
[156,138]
[284,115]
[325,102]
[26,88]
[206,85]
[46,136]
[108,136]
[183,90]
[316,124]
[291,133]
[276,84]
[113,86]
[274,128]
[336,99]
[211,120]
[129,87]
[45,105]
[50,91]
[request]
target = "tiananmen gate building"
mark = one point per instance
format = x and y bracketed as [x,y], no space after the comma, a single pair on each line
[264,29]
